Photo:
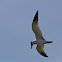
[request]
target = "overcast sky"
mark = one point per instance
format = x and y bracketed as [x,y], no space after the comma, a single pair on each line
[16,33]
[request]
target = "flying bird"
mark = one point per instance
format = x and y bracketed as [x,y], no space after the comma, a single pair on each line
[40,41]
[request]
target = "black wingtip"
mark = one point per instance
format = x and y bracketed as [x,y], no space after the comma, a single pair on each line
[35,17]
[46,56]
[37,12]
[43,54]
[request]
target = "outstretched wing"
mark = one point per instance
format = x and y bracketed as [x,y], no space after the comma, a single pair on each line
[40,49]
[35,27]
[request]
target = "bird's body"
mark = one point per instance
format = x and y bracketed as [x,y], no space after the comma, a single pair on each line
[40,41]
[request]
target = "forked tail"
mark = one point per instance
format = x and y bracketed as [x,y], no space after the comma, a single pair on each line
[49,41]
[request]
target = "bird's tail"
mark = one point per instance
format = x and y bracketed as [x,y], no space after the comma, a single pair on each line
[49,41]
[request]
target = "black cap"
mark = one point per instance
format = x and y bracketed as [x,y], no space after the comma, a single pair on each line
[31,43]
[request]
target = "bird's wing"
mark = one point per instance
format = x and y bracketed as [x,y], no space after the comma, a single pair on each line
[40,49]
[36,29]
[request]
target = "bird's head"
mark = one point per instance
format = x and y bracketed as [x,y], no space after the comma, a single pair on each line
[31,44]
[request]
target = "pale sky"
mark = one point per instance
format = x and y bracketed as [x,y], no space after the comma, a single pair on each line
[16,33]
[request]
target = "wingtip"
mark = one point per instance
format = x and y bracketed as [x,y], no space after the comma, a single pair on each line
[35,17]
[37,11]
[43,54]
[46,56]
[36,14]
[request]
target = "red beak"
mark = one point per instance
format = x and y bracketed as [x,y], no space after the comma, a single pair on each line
[31,46]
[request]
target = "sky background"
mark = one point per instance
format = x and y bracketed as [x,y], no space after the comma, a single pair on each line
[16,33]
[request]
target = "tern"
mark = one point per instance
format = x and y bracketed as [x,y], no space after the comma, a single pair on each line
[40,41]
